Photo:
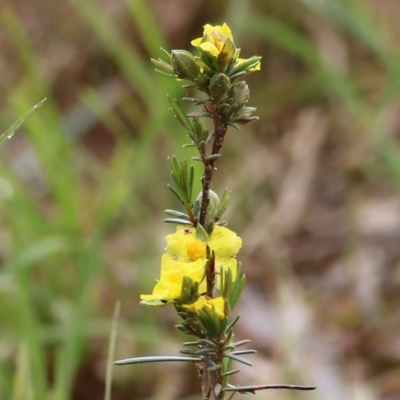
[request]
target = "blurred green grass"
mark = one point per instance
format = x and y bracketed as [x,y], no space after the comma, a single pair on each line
[76,227]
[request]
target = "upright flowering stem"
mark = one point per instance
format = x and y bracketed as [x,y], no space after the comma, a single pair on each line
[199,273]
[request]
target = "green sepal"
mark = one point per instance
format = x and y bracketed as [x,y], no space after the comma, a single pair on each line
[208,60]
[201,233]
[226,55]
[210,322]
[237,75]
[245,121]
[189,292]
[236,126]
[243,112]
[166,53]
[222,223]
[244,66]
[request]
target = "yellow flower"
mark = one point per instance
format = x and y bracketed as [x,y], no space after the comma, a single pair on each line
[214,38]
[205,303]
[184,247]
[170,286]
[186,256]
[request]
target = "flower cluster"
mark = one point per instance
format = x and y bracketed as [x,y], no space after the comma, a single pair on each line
[214,72]
[183,269]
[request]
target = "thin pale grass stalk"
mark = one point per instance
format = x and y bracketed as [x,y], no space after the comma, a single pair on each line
[111,350]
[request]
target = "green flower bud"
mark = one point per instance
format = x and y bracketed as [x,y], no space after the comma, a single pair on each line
[219,87]
[243,116]
[239,94]
[184,65]
[214,199]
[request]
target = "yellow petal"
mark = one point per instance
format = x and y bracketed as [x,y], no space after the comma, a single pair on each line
[196,42]
[205,303]
[176,243]
[224,242]
[208,29]
[210,48]
[225,30]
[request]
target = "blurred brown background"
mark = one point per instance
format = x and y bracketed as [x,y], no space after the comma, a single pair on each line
[315,187]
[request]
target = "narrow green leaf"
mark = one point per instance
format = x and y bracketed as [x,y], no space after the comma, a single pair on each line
[180,113]
[176,214]
[175,193]
[177,221]
[142,360]
[233,323]
[11,130]
[191,177]
[239,359]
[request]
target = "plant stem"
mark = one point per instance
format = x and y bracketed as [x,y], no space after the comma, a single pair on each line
[220,128]
[212,379]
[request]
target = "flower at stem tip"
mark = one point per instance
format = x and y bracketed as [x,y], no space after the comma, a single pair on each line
[218,51]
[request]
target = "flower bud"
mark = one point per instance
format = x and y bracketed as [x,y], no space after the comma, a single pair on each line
[219,87]
[239,94]
[184,65]
[243,116]
[214,199]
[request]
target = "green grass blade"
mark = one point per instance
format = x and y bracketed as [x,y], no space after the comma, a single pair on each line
[11,130]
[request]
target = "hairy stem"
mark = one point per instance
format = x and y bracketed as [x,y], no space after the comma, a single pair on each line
[220,128]
[211,380]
